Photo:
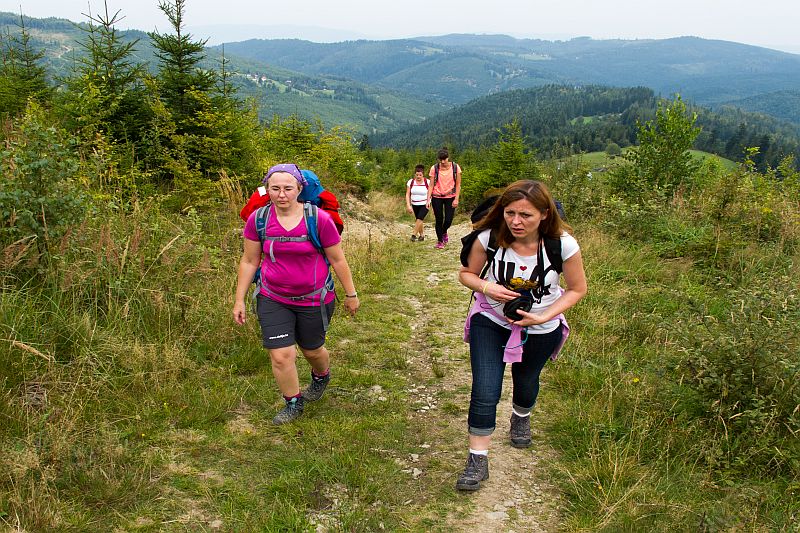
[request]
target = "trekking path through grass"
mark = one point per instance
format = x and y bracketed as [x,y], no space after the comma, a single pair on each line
[380,451]
[518,495]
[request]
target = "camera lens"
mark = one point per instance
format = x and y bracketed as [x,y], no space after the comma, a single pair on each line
[521,302]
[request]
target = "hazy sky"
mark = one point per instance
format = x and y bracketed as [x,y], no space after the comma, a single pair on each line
[770,23]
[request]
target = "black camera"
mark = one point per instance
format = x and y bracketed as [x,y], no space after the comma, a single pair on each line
[523,302]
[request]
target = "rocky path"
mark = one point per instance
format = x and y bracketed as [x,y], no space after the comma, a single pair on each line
[518,495]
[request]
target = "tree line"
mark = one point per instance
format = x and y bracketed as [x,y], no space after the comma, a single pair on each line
[564,120]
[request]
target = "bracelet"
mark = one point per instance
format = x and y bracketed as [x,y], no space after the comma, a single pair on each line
[354,295]
[483,289]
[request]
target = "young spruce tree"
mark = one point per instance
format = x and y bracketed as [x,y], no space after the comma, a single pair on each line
[22,76]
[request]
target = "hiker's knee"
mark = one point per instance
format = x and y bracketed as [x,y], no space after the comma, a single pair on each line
[282,357]
[314,354]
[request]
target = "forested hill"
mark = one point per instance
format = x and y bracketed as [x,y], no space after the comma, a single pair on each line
[377,86]
[278,91]
[782,104]
[558,120]
[458,68]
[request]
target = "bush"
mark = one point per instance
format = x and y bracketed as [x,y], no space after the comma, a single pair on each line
[745,370]
[40,196]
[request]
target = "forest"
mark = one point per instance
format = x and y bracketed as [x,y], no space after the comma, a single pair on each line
[558,120]
[130,400]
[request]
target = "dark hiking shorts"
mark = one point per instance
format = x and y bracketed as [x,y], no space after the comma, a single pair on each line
[420,211]
[283,324]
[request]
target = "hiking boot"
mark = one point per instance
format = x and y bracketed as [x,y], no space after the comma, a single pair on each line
[290,411]
[315,389]
[439,245]
[477,470]
[413,238]
[520,431]
[446,238]
[421,238]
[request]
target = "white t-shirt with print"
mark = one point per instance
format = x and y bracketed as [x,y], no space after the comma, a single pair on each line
[522,267]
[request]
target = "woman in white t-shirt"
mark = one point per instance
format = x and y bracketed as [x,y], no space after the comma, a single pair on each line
[417,201]
[513,265]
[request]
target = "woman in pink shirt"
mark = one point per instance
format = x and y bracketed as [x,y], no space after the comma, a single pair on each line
[443,195]
[293,294]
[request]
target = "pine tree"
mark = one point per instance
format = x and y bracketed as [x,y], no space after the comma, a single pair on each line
[509,160]
[107,91]
[22,77]
[179,67]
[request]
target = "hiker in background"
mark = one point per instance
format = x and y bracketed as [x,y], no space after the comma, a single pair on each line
[295,289]
[443,195]
[417,201]
[512,264]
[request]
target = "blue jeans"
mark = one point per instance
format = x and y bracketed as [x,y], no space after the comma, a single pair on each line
[486,343]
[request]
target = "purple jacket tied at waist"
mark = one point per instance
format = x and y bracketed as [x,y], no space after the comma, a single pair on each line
[513,348]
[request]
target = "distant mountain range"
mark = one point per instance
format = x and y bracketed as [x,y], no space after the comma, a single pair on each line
[454,69]
[378,86]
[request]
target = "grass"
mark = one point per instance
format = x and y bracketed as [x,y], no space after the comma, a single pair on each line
[156,414]
[632,458]
[603,160]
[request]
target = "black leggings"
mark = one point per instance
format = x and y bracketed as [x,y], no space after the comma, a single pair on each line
[443,212]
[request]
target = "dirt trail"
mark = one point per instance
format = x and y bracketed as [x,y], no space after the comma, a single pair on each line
[517,496]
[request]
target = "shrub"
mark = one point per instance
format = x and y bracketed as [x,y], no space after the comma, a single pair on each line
[40,196]
[745,370]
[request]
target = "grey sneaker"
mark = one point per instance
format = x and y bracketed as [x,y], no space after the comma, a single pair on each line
[421,238]
[477,470]
[290,411]
[315,389]
[413,238]
[520,431]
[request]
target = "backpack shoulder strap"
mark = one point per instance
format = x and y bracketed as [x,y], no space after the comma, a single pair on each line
[311,216]
[552,248]
[262,219]
[491,251]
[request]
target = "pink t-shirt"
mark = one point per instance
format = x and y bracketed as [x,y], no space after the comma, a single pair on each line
[445,186]
[298,268]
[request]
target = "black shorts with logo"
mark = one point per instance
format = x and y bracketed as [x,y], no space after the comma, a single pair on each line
[284,325]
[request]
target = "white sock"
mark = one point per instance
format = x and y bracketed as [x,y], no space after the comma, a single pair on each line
[479,452]
[520,414]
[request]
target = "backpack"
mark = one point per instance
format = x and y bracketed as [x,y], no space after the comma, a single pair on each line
[412,183]
[310,216]
[456,168]
[313,192]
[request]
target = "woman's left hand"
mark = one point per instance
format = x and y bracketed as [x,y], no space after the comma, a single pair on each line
[352,305]
[528,319]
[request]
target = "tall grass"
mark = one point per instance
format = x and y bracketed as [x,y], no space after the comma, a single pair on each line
[679,393]
[131,400]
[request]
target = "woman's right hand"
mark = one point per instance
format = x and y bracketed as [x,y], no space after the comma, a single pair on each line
[499,293]
[408,208]
[239,312]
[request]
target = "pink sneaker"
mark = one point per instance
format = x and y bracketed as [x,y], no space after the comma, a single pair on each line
[439,245]
[446,239]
